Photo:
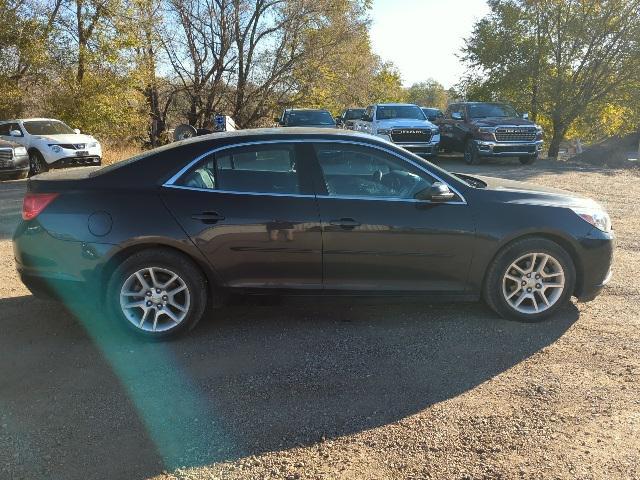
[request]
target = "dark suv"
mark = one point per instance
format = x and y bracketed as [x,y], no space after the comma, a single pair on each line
[483,130]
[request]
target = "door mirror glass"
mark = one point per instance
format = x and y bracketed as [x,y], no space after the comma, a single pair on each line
[456,116]
[525,116]
[15,133]
[77,130]
[437,192]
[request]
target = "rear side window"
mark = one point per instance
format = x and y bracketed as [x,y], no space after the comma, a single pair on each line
[259,169]
[4,129]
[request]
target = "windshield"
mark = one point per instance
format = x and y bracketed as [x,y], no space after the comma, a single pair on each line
[387,112]
[432,112]
[309,117]
[354,114]
[482,110]
[46,127]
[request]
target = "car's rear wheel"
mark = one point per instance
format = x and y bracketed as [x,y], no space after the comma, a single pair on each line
[37,164]
[529,280]
[528,159]
[157,293]
[471,155]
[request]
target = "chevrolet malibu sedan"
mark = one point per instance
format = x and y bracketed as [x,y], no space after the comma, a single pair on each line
[157,238]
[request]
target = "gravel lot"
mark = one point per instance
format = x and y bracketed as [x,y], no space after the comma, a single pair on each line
[332,391]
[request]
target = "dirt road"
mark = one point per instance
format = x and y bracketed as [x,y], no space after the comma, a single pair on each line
[332,391]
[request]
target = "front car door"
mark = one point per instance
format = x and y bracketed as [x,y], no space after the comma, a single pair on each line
[376,235]
[252,212]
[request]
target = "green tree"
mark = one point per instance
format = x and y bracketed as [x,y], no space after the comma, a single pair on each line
[428,94]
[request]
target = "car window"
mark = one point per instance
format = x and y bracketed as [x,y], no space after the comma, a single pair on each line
[388,112]
[352,170]
[4,129]
[259,169]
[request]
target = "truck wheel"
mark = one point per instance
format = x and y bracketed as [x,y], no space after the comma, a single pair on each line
[36,163]
[528,160]
[471,155]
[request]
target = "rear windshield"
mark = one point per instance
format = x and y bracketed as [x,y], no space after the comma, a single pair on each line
[309,117]
[386,112]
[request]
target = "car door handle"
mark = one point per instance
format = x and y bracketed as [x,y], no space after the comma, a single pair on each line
[346,223]
[208,217]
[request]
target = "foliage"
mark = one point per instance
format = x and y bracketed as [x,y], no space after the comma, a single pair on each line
[428,94]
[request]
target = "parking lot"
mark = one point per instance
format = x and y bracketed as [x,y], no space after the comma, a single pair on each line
[283,389]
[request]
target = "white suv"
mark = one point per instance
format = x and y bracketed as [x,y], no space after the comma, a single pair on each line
[51,143]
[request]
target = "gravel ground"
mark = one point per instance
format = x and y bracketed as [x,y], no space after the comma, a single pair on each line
[332,391]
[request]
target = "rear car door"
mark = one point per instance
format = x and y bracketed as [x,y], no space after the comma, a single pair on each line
[376,235]
[252,212]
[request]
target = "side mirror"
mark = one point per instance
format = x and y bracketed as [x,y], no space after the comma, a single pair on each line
[77,130]
[437,192]
[338,119]
[456,116]
[15,133]
[525,116]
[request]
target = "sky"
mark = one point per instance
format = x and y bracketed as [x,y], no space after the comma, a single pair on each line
[422,37]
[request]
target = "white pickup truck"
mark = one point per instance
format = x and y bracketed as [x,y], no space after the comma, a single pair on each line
[404,124]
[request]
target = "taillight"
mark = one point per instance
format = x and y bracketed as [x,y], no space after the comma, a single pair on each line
[34,203]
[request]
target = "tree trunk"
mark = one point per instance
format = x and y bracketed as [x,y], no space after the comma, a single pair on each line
[559,131]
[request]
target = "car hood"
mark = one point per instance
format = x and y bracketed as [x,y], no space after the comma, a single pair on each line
[404,123]
[497,121]
[66,138]
[512,191]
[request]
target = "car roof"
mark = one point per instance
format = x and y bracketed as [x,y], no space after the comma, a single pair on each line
[30,119]
[308,110]
[396,104]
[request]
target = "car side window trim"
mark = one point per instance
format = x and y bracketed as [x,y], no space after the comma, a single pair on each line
[171,182]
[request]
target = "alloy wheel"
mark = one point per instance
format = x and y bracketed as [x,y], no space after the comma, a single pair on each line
[533,283]
[155,299]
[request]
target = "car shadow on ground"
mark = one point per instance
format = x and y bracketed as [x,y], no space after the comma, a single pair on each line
[82,399]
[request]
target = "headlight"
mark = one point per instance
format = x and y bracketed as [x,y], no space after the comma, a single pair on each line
[598,218]
[55,148]
[384,131]
[486,129]
[19,151]
[93,145]
[435,131]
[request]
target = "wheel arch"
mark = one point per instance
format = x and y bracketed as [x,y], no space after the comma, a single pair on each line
[561,240]
[117,257]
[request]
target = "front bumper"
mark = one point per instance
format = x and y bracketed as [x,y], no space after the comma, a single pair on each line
[419,148]
[595,268]
[488,148]
[67,162]
[16,165]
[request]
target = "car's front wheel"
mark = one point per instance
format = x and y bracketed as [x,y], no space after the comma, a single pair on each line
[157,293]
[529,280]
[37,164]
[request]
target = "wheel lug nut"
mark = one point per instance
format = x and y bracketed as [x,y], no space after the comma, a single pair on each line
[165,298]
[159,306]
[537,277]
[149,304]
[157,290]
[529,290]
[528,275]
[524,283]
[538,286]
[149,293]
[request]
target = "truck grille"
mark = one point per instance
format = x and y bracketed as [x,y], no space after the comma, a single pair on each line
[408,135]
[515,134]
[6,157]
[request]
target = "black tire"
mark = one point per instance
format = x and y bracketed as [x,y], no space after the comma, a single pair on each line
[162,259]
[528,159]
[493,287]
[37,164]
[471,155]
